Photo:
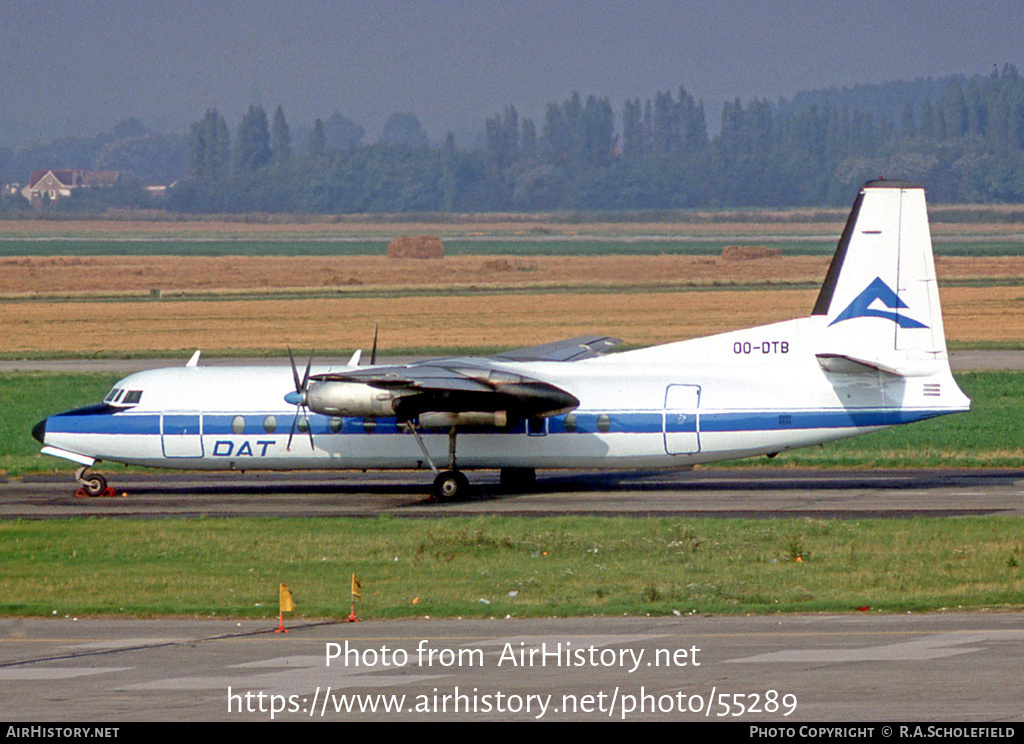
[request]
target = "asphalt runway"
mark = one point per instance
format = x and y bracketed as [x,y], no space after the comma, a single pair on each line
[951,667]
[724,492]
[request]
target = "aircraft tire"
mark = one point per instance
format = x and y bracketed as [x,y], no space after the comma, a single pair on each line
[451,485]
[94,485]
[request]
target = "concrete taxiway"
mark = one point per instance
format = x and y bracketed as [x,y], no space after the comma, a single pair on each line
[859,667]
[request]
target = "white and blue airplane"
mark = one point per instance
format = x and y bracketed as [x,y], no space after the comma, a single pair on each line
[872,354]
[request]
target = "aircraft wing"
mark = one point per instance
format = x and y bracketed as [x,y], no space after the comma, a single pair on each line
[463,384]
[570,350]
[459,384]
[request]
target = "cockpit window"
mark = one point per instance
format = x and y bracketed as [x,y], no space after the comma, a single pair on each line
[120,398]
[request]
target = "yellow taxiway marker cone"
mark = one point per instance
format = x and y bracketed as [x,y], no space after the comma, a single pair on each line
[286,604]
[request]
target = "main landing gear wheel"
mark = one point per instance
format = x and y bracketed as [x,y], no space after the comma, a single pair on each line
[451,485]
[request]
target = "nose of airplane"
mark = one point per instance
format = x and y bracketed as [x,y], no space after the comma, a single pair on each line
[39,432]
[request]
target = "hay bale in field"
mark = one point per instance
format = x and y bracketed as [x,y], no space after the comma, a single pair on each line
[497,264]
[416,246]
[747,252]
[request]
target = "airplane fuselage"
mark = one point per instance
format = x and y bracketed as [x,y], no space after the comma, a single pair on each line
[754,392]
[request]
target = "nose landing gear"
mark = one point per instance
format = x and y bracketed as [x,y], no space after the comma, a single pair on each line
[92,485]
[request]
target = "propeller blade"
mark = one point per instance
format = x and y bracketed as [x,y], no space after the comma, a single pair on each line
[309,428]
[373,353]
[305,377]
[295,371]
[291,433]
[299,399]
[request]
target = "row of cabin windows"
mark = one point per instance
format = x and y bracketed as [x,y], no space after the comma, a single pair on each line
[119,397]
[534,425]
[301,424]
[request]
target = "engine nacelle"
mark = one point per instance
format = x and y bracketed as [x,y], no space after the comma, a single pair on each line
[349,399]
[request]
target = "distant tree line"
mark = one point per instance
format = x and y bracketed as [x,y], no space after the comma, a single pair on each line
[963,138]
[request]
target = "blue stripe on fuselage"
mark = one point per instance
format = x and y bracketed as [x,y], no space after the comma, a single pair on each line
[841,418]
[105,420]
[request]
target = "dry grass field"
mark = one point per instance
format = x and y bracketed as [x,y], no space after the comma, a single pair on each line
[267,227]
[63,305]
[91,275]
[119,275]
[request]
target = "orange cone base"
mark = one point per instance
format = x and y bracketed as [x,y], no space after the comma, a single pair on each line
[280,625]
[108,492]
[352,618]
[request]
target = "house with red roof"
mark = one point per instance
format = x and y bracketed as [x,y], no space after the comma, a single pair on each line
[58,183]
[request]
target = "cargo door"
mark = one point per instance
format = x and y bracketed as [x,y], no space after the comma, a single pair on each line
[181,434]
[681,419]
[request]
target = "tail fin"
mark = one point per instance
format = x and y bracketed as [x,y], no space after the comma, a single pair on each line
[880,300]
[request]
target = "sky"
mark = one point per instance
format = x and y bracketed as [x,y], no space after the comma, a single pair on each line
[73,67]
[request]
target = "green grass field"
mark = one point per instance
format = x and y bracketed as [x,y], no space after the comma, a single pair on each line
[501,566]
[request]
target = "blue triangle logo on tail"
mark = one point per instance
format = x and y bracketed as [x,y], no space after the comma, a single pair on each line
[878,290]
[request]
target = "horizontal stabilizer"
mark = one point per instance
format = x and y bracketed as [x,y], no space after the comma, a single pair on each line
[849,364]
